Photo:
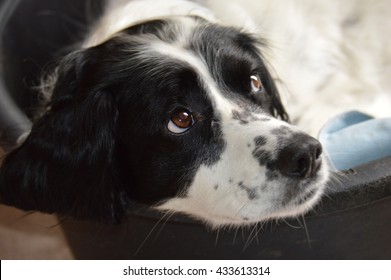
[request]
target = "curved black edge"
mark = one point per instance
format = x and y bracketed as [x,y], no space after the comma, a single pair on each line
[13,122]
[356,187]
[356,228]
[361,233]
[34,35]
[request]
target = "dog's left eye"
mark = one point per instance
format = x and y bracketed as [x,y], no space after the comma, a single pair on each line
[181,121]
[256,83]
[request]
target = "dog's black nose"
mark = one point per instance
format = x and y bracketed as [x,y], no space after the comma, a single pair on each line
[300,158]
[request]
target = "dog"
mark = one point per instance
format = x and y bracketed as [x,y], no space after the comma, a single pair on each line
[171,104]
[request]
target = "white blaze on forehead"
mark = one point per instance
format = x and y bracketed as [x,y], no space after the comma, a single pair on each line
[223,105]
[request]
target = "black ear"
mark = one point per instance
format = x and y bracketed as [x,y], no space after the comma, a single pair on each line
[68,164]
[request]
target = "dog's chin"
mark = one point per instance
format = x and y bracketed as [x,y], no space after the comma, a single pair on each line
[297,206]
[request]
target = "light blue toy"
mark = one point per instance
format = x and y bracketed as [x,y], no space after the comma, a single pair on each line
[354,138]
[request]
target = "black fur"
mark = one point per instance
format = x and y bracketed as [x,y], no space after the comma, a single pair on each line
[103,142]
[233,56]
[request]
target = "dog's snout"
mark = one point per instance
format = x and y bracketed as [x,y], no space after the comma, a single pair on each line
[300,158]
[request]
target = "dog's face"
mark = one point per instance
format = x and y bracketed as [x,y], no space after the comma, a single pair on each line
[179,114]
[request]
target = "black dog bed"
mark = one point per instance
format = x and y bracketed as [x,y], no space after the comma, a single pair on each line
[353,221]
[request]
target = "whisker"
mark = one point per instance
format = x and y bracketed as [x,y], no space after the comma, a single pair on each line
[236,233]
[164,223]
[290,225]
[306,232]
[217,236]
[150,233]
[250,238]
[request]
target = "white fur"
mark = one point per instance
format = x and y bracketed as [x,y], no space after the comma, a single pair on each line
[214,195]
[327,57]
[121,14]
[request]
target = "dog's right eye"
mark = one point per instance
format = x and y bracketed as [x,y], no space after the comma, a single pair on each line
[181,120]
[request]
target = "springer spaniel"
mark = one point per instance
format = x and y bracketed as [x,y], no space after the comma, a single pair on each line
[168,106]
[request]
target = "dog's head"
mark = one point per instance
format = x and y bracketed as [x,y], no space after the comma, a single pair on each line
[179,114]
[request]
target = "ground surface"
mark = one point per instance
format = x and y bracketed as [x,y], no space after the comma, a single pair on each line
[30,235]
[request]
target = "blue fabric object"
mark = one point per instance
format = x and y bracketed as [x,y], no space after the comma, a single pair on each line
[354,138]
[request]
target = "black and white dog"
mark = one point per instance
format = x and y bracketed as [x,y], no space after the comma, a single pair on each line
[167,106]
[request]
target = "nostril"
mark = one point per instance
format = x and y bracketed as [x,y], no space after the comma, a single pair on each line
[318,152]
[302,167]
[300,159]
[294,162]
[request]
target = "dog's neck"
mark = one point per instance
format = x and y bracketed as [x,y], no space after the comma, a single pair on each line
[121,14]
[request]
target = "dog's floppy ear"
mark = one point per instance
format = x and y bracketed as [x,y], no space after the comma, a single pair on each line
[68,163]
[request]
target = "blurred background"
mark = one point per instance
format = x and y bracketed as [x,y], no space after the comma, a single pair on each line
[33,34]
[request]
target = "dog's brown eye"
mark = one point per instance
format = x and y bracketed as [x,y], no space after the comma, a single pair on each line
[181,120]
[256,83]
